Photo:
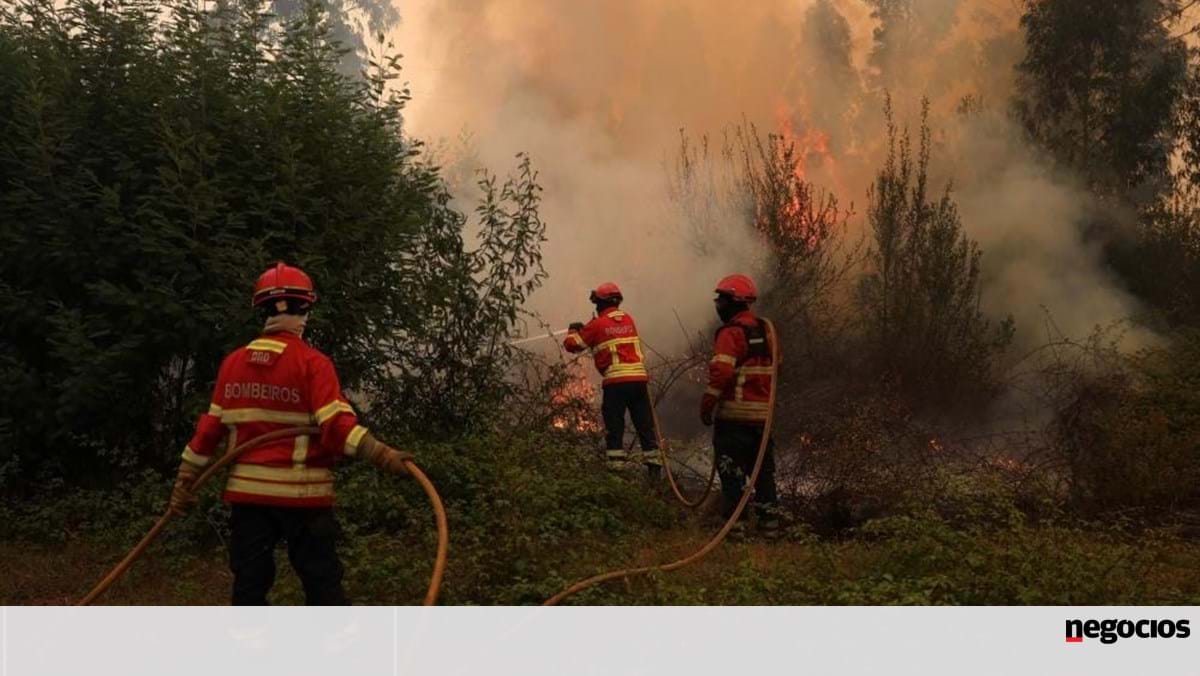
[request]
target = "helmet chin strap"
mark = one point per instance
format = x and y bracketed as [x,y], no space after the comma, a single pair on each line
[284,322]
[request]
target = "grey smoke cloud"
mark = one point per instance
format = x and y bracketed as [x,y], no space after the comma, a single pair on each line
[596,92]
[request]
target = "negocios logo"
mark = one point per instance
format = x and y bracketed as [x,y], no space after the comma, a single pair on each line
[1110,631]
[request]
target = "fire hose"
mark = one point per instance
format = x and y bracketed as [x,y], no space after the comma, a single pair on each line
[439,511]
[717,539]
[662,451]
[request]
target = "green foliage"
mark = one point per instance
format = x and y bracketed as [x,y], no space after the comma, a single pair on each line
[114,515]
[154,159]
[1131,438]
[518,506]
[921,559]
[530,515]
[921,294]
[1098,89]
[448,362]
[352,22]
[1170,237]
[527,516]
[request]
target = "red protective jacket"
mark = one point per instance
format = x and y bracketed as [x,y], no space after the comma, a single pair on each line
[613,339]
[278,381]
[740,374]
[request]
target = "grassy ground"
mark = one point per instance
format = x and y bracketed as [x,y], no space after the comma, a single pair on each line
[919,563]
[529,516]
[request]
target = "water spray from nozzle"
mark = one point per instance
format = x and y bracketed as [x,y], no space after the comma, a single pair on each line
[531,339]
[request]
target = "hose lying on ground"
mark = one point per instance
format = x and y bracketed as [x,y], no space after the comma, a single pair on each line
[737,512]
[662,450]
[439,511]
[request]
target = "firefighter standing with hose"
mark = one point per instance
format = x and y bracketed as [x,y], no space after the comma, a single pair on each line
[736,401]
[282,489]
[613,340]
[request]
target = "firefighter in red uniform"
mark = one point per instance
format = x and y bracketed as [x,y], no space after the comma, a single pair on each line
[740,378]
[613,340]
[282,489]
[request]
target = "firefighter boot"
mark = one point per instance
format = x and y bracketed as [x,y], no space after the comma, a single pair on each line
[616,458]
[770,523]
[652,461]
[654,473]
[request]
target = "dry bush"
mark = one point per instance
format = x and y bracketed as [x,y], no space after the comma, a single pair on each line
[1128,439]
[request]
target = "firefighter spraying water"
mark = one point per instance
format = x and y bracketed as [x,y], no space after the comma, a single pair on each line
[612,338]
[281,398]
[740,401]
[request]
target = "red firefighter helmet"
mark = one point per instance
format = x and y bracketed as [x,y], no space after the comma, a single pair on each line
[606,291]
[738,287]
[283,281]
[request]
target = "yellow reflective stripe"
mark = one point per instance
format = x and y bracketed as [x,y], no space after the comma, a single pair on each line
[267,345]
[354,439]
[742,407]
[291,475]
[625,370]
[331,409]
[757,370]
[608,344]
[213,409]
[738,390]
[713,391]
[651,458]
[195,458]
[724,359]
[300,450]
[318,490]
[247,415]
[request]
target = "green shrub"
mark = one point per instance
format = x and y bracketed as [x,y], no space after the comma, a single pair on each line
[1130,438]
[154,159]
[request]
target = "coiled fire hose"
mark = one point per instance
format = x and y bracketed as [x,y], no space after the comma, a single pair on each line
[439,511]
[737,512]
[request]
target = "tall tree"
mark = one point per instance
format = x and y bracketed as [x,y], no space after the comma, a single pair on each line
[151,166]
[904,31]
[352,23]
[1098,89]
[921,289]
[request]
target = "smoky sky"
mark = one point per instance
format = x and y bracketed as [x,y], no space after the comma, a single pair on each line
[598,91]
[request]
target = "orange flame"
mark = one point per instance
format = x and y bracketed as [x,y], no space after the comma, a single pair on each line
[575,401]
[809,149]
[812,145]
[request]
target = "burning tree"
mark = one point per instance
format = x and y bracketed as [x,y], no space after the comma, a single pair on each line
[761,181]
[801,222]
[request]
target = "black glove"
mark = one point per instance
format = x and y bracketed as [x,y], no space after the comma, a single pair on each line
[576,326]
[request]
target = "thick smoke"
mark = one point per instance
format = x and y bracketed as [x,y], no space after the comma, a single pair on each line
[597,91]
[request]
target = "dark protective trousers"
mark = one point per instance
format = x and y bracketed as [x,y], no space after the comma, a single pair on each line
[736,447]
[634,397]
[311,534]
